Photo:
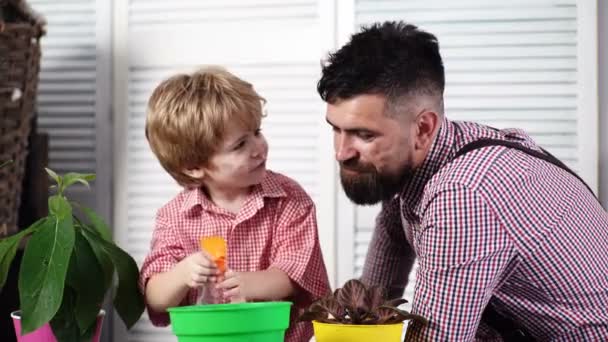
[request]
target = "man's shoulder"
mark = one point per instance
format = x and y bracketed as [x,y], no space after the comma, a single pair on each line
[492,169]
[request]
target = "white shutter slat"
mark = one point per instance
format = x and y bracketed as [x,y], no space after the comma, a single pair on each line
[518,64]
[62,88]
[75,110]
[68,74]
[447,29]
[512,103]
[370,11]
[529,90]
[512,77]
[393,5]
[142,6]
[222,15]
[155,13]
[508,52]
[514,115]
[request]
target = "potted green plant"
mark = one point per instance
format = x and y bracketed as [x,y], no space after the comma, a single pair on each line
[357,313]
[69,264]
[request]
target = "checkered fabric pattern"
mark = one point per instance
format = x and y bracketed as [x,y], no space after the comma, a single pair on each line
[495,226]
[276,227]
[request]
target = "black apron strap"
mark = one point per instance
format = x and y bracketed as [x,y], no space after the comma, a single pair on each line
[508,329]
[544,155]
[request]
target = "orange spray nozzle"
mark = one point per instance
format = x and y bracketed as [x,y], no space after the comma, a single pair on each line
[216,246]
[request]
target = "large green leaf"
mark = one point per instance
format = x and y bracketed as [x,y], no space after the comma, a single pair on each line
[64,324]
[83,272]
[102,257]
[44,266]
[97,223]
[8,249]
[129,302]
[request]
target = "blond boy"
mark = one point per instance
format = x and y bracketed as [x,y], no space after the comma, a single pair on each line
[204,128]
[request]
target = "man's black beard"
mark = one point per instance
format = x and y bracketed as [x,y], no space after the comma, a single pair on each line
[369,186]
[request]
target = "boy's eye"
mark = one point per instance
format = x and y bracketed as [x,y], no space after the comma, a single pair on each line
[257,132]
[239,145]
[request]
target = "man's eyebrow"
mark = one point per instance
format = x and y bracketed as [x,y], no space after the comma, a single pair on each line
[353,130]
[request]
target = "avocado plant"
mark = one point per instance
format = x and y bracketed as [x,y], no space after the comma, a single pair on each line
[69,264]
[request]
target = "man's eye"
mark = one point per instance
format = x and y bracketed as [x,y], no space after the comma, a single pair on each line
[257,132]
[365,136]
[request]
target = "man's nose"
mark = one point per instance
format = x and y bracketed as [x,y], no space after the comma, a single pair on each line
[343,147]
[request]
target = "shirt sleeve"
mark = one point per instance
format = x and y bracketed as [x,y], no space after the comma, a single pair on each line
[166,250]
[296,251]
[390,256]
[462,252]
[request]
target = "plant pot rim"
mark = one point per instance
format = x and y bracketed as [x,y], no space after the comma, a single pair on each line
[17,314]
[363,326]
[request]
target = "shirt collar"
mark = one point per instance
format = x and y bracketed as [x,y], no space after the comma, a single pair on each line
[442,152]
[269,187]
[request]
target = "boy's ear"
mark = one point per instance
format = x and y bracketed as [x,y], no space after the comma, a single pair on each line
[197,173]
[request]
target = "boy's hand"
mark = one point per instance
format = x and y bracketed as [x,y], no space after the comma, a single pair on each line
[238,286]
[198,269]
[267,285]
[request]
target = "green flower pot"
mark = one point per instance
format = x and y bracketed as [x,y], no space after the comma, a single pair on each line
[243,322]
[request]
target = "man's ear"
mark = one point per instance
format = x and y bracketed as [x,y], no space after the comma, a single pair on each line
[427,125]
[197,173]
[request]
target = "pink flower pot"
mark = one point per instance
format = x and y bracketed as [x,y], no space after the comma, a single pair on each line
[45,333]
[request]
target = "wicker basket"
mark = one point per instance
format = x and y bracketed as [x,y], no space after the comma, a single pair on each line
[20,32]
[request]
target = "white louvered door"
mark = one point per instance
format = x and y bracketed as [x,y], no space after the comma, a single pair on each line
[275,45]
[523,64]
[74,92]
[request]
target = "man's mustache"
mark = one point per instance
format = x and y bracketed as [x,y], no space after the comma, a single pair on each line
[354,165]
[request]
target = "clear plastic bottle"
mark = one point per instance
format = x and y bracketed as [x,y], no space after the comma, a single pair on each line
[209,294]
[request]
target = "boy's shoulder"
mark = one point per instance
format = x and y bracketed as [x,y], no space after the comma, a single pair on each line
[177,204]
[285,186]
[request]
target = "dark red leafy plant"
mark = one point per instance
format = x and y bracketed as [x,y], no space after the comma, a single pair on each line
[354,303]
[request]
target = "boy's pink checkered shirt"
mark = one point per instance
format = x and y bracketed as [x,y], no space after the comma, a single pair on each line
[276,227]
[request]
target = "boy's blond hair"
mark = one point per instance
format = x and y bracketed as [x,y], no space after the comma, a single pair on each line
[187,118]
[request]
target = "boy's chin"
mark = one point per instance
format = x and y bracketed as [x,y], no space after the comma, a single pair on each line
[257,175]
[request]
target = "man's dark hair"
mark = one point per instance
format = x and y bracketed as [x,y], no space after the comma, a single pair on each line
[392,59]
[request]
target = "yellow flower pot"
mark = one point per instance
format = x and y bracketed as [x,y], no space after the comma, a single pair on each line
[326,332]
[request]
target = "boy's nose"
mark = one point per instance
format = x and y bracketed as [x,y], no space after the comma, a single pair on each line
[259,149]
